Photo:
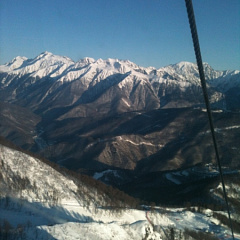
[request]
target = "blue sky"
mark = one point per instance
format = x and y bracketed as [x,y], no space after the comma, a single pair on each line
[147,32]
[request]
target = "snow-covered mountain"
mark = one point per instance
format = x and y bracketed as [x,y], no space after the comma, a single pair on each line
[49,81]
[41,66]
[119,122]
[64,69]
[93,113]
[187,73]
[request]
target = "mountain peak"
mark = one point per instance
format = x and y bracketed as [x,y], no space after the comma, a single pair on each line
[184,65]
[64,69]
[16,62]
[88,60]
[46,53]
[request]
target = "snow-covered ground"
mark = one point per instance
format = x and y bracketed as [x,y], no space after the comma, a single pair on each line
[47,205]
[182,219]
[74,222]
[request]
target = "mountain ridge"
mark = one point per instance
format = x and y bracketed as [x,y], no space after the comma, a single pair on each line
[57,67]
[84,107]
[48,59]
[60,74]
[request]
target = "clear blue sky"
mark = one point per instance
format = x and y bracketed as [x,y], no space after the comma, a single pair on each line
[147,32]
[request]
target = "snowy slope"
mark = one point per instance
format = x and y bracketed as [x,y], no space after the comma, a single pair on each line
[186,73]
[28,207]
[44,64]
[54,81]
[34,194]
[18,168]
[63,69]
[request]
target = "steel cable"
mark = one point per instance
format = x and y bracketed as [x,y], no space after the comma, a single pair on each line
[196,45]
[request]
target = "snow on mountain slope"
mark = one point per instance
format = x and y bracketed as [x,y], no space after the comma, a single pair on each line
[93,71]
[188,72]
[64,69]
[29,211]
[44,64]
[16,62]
[35,195]
[227,80]
[64,81]
[25,173]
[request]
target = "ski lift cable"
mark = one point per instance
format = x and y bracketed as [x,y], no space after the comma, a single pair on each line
[196,45]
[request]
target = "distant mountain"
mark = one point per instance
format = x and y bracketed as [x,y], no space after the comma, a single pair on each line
[101,114]
[49,82]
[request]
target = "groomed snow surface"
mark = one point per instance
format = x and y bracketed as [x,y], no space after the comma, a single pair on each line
[79,223]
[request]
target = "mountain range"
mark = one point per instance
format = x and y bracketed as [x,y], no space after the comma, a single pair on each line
[51,81]
[92,115]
